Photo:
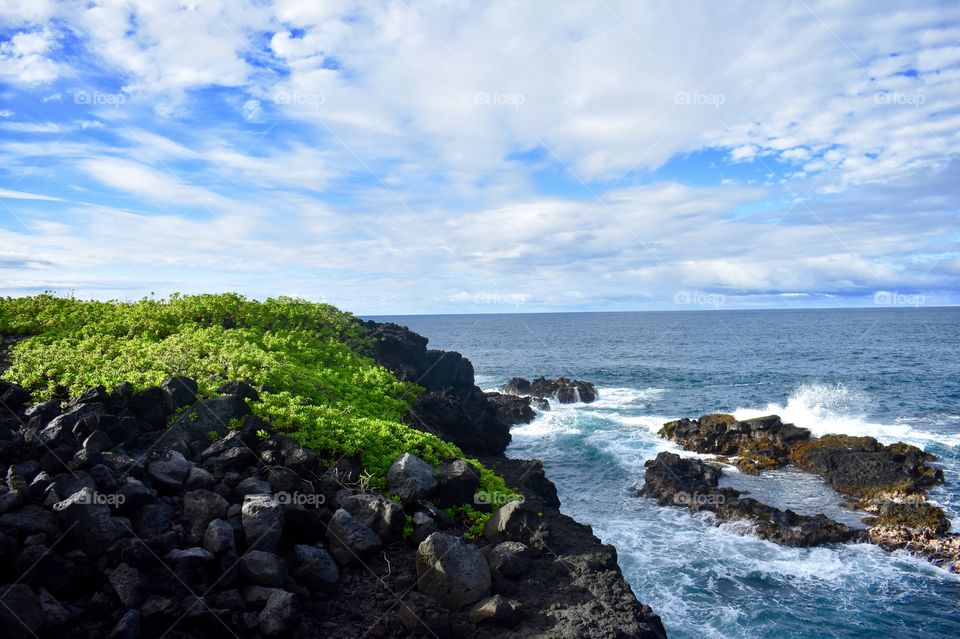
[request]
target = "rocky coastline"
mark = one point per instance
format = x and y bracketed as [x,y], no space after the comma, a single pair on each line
[158,513]
[889,482]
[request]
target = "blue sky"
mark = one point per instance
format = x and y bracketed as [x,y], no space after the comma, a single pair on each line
[399,157]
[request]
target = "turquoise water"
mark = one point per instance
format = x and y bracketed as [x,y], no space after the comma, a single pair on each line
[890,373]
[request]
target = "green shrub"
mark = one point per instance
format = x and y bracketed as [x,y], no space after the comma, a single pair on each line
[322,388]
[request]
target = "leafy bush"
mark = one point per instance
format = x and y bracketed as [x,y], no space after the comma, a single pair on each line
[321,387]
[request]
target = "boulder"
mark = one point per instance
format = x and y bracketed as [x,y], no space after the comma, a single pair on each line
[279,616]
[20,614]
[170,472]
[262,521]
[516,522]
[207,416]
[315,568]
[219,537]
[452,572]
[89,522]
[349,540]
[263,568]
[509,559]
[411,478]
[200,507]
[178,392]
[129,584]
[381,515]
[128,627]
[566,391]
[458,483]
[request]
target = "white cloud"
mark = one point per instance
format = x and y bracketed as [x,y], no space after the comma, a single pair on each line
[24,58]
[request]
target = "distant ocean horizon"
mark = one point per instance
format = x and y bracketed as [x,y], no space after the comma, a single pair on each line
[889,372]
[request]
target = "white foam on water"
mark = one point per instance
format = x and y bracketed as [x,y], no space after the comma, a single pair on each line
[838,409]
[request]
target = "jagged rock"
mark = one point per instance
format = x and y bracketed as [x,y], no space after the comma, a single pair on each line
[192,429]
[515,522]
[348,539]
[509,559]
[381,515]
[315,568]
[130,586]
[411,478]
[219,537]
[232,459]
[693,484]
[89,522]
[263,568]
[424,616]
[170,473]
[128,627]
[463,417]
[30,520]
[512,409]
[55,616]
[279,615]
[160,606]
[200,507]
[453,573]
[497,610]
[458,483]
[12,396]
[178,392]
[20,613]
[567,391]
[135,496]
[262,520]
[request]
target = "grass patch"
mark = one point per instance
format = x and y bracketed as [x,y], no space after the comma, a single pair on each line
[321,386]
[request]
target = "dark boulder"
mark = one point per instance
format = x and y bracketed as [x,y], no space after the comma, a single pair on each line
[565,390]
[178,392]
[512,409]
[452,572]
[349,540]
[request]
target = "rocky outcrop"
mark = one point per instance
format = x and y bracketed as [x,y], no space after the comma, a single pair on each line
[512,409]
[887,481]
[693,484]
[566,391]
[133,538]
[451,406]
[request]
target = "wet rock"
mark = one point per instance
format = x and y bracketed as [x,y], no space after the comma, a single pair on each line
[566,390]
[411,478]
[496,610]
[348,539]
[452,572]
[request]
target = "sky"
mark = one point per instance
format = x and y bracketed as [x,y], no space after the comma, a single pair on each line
[460,157]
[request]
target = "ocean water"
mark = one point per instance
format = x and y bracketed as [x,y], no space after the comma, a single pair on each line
[893,373]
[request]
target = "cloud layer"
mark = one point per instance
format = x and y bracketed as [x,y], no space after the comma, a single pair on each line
[465,156]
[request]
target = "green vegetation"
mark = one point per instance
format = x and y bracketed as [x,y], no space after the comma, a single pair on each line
[320,387]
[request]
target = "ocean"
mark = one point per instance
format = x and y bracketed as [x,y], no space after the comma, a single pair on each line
[893,373]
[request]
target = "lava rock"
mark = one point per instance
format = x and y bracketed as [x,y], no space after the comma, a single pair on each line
[498,610]
[348,539]
[411,478]
[262,520]
[509,559]
[279,615]
[315,568]
[178,392]
[458,483]
[383,516]
[452,572]
[263,568]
